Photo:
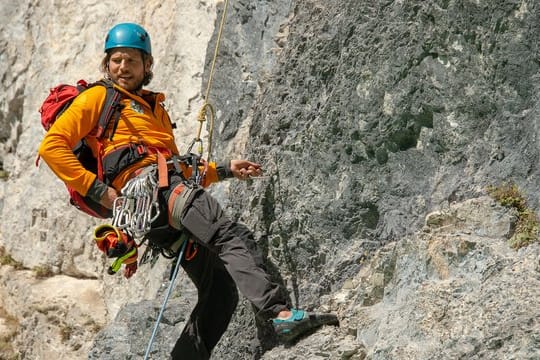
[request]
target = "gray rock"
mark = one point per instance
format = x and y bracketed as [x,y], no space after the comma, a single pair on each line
[379,124]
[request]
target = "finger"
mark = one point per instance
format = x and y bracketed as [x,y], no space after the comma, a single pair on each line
[254,165]
[252,171]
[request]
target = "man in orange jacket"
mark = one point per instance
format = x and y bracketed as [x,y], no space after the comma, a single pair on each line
[223,262]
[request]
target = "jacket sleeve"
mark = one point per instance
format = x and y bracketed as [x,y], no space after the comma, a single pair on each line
[76,122]
[211,173]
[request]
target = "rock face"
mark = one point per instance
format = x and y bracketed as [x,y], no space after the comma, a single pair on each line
[380,124]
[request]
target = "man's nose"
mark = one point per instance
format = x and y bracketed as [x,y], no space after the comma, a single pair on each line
[123,65]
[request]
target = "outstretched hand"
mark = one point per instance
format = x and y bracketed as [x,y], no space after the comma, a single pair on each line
[243,169]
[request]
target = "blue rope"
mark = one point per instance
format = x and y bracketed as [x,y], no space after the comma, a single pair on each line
[158,320]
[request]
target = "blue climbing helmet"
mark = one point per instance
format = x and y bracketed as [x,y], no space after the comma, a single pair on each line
[128,35]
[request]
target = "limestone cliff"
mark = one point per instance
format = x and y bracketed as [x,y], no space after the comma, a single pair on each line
[380,126]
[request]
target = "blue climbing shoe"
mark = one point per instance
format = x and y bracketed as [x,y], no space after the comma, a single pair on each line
[301,323]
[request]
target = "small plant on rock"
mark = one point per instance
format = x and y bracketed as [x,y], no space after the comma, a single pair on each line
[527,224]
[43,272]
[7,259]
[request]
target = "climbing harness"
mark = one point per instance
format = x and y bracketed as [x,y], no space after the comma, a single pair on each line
[167,295]
[137,207]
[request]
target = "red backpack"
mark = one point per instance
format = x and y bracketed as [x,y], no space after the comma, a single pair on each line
[59,99]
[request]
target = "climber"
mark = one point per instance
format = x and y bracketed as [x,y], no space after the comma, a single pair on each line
[223,263]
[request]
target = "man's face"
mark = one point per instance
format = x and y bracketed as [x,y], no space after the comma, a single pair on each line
[127,69]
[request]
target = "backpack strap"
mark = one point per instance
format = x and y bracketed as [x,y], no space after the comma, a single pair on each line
[111,111]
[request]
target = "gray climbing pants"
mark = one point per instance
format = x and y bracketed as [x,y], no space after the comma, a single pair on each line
[223,264]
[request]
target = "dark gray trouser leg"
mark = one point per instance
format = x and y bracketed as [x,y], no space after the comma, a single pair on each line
[204,218]
[217,300]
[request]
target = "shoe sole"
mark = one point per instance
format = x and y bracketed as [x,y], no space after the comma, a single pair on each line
[290,331]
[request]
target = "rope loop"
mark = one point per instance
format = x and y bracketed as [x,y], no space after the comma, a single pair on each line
[207,112]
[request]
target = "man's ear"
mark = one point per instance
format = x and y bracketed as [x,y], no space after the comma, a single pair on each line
[148,63]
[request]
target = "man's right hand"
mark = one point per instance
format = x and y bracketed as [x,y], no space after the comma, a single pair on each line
[108,198]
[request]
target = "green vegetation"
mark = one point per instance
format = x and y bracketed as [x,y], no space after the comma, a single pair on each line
[527,224]
[43,272]
[6,259]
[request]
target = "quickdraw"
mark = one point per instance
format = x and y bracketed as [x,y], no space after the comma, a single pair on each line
[137,207]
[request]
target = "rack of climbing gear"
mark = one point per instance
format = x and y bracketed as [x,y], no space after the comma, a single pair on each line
[137,207]
[133,213]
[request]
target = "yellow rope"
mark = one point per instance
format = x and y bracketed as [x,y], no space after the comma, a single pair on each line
[207,106]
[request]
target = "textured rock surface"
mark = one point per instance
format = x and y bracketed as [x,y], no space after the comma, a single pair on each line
[379,123]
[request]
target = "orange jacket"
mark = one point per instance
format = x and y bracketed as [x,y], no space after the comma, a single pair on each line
[139,122]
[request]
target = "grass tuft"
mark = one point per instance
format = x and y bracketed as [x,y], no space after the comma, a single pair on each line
[527,225]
